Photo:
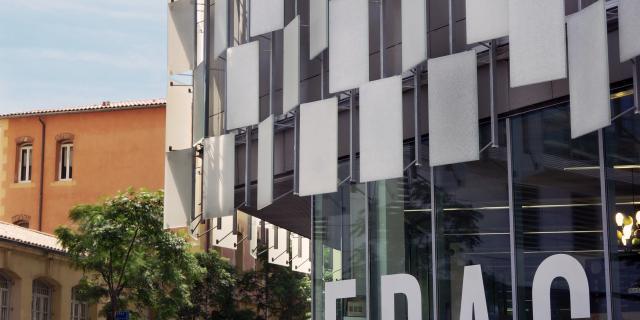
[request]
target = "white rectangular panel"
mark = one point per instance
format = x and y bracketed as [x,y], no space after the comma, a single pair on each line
[181,36]
[219,176]
[300,257]
[265,163]
[278,246]
[291,65]
[253,241]
[243,108]
[198,104]
[220,30]
[588,70]
[266,16]
[537,46]
[629,22]
[178,118]
[318,147]
[453,109]
[487,20]
[178,188]
[222,233]
[381,155]
[318,32]
[414,33]
[348,44]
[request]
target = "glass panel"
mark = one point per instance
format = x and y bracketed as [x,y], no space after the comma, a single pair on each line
[339,239]
[400,233]
[557,206]
[473,229]
[622,147]
[63,163]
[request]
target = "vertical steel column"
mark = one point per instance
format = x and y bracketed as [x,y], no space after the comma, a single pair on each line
[434,248]
[321,74]
[417,143]
[451,23]
[207,63]
[604,199]
[351,151]
[247,164]
[271,73]
[381,39]
[296,148]
[636,83]
[313,259]
[512,226]
[493,94]
[367,250]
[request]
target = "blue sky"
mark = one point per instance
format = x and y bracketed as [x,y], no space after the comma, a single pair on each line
[57,53]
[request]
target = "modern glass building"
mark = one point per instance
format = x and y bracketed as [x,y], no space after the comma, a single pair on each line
[538,194]
[544,224]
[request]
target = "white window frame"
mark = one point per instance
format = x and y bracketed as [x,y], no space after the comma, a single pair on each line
[29,157]
[41,301]
[79,309]
[66,149]
[5,298]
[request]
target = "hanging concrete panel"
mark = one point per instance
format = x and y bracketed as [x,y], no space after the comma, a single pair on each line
[243,108]
[265,163]
[291,65]
[266,16]
[222,234]
[414,33]
[278,246]
[253,240]
[381,155]
[487,20]
[318,28]
[178,188]
[348,44]
[178,118]
[220,30]
[181,36]
[629,22]
[300,253]
[537,48]
[318,147]
[219,176]
[198,104]
[453,109]
[588,70]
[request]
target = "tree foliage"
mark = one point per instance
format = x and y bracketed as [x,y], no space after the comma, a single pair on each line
[128,260]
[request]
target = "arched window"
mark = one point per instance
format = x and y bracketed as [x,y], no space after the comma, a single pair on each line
[41,301]
[25,159]
[5,297]
[79,308]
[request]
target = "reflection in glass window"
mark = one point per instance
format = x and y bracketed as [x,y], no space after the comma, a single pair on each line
[79,308]
[622,150]
[339,239]
[557,205]
[473,229]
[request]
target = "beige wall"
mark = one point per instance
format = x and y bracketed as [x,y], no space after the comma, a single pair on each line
[23,264]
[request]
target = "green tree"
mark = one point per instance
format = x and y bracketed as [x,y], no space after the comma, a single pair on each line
[213,296]
[282,293]
[128,260]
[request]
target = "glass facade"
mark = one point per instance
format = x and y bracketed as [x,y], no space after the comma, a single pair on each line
[539,194]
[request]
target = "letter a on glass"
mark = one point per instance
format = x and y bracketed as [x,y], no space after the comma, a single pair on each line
[473,304]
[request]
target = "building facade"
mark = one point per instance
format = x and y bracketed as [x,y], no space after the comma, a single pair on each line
[52,160]
[543,224]
[36,279]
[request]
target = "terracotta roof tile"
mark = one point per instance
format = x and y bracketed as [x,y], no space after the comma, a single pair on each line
[104,106]
[30,237]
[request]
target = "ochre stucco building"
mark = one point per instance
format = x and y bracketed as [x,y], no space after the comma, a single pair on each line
[89,153]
